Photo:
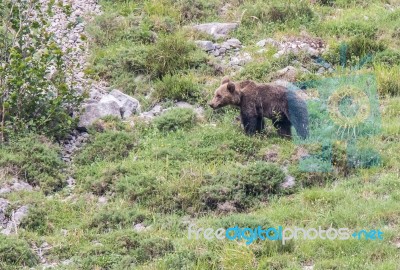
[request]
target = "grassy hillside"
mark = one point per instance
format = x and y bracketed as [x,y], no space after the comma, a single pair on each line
[140,185]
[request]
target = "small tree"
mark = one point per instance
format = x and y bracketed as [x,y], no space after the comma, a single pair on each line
[31,97]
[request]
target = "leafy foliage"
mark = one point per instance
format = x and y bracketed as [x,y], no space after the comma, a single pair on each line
[29,99]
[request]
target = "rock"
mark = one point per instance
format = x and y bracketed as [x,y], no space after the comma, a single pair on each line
[226,207]
[102,200]
[289,182]
[128,104]
[233,42]
[16,186]
[139,227]
[288,73]
[205,45]
[149,115]
[95,111]
[16,219]
[19,186]
[268,41]
[240,59]
[3,208]
[217,30]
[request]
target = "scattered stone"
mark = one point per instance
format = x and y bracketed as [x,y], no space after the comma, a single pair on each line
[288,73]
[268,41]
[205,45]
[240,59]
[217,30]
[139,227]
[226,207]
[295,45]
[232,43]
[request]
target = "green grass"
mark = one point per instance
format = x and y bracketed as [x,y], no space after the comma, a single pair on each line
[180,170]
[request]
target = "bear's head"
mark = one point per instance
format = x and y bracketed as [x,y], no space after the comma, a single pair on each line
[226,94]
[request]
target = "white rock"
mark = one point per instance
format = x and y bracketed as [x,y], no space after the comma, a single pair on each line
[217,30]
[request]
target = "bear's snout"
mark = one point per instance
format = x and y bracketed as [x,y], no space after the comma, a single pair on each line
[211,104]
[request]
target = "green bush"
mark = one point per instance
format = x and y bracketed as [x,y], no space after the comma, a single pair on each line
[15,253]
[387,57]
[35,159]
[173,53]
[176,118]
[107,146]
[195,10]
[32,100]
[36,220]
[266,12]
[347,28]
[242,187]
[388,80]
[177,87]
[355,51]
[116,218]
[124,250]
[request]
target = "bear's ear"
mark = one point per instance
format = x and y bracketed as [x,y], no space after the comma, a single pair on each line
[231,87]
[225,80]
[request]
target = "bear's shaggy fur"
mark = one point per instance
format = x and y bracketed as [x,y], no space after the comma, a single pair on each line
[256,101]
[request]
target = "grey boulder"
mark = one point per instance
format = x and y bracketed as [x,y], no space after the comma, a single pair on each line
[128,104]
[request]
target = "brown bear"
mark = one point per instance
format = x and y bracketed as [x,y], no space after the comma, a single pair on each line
[280,104]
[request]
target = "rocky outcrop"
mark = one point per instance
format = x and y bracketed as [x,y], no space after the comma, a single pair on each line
[115,104]
[216,29]
[9,224]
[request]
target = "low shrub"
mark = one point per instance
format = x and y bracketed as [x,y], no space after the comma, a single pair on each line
[107,146]
[355,52]
[266,12]
[177,87]
[242,187]
[15,253]
[388,80]
[347,28]
[194,10]
[35,159]
[173,53]
[36,220]
[113,218]
[176,118]
[387,57]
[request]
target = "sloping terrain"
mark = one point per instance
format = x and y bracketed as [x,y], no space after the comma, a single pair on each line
[139,183]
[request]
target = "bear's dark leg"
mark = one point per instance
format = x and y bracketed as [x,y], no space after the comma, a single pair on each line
[260,124]
[249,124]
[283,126]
